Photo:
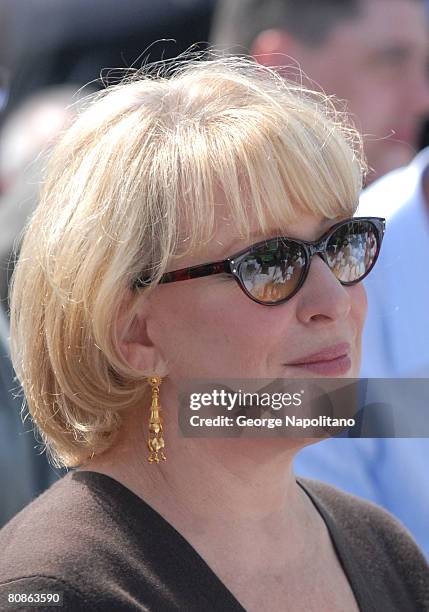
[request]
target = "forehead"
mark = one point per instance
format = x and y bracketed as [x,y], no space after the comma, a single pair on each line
[383,23]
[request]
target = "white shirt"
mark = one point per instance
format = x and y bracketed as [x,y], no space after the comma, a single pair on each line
[396,332]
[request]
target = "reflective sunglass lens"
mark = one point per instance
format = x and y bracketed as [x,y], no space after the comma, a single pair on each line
[272,272]
[352,250]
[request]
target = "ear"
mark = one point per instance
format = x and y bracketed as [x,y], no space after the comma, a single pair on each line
[136,346]
[274,47]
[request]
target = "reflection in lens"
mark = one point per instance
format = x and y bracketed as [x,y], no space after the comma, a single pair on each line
[4,87]
[272,271]
[351,250]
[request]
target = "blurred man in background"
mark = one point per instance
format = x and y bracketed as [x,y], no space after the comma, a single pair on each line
[371,53]
[374,54]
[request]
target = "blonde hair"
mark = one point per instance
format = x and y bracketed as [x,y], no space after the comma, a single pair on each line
[132,184]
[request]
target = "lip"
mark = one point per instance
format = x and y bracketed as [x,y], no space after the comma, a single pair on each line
[331,361]
[333,367]
[326,354]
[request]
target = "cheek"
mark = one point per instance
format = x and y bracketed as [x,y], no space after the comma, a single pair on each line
[357,315]
[359,305]
[377,104]
[215,330]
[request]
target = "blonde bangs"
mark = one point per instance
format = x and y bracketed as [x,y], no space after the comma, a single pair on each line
[273,151]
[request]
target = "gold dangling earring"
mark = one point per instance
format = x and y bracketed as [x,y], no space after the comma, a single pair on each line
[155,441]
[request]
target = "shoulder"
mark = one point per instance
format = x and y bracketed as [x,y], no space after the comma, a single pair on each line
[388,195]
[55,541]
[360,516]
[28,590]
[378,542]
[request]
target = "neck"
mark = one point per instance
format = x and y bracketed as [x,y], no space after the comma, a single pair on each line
[211,486]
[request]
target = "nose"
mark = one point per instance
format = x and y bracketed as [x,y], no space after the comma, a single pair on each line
[422,99]
[418,91]
[322,299]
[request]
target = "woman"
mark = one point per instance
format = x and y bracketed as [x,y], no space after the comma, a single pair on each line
[154,257]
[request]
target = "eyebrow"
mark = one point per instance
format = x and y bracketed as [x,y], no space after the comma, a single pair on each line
[392,52]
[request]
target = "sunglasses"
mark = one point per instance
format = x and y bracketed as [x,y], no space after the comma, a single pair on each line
[272,271]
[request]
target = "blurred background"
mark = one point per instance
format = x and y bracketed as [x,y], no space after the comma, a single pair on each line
[372,53]
[49,50]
